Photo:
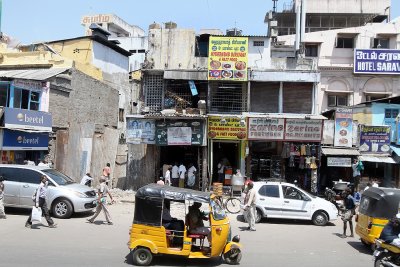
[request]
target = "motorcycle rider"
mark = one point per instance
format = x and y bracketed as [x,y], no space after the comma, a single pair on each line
[391,231]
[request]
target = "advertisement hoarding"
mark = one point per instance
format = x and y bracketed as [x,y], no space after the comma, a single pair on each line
[375,139]
[376,61]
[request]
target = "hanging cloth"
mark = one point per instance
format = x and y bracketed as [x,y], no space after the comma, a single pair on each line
[301,163]
[303,150]
[313,164]
[308,152]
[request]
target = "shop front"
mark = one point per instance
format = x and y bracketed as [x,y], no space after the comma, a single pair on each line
[169,141]
[25,135]
[227,146]
[285,149]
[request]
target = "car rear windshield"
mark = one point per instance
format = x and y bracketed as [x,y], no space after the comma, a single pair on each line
[58,177]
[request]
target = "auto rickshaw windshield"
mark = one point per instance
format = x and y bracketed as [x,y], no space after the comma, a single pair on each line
[218,212]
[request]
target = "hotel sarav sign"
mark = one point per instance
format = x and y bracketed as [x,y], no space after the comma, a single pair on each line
[376,61]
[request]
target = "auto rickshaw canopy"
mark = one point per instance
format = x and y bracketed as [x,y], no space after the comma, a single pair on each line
[149,201]
[380,202]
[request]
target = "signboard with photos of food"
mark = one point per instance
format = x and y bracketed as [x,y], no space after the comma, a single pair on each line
[266,129]
[226,128]
[227,58]
[343,127]
[375,139]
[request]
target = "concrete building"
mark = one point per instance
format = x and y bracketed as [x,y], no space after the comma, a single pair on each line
[323,15]
[244,93]
[334,50]
[108,65]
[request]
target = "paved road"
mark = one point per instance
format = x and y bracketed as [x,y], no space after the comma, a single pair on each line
[77,243]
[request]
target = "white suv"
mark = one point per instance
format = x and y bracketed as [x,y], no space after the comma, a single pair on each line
[287,201]
[64,196]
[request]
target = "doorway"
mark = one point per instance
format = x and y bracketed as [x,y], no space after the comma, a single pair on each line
[228,153]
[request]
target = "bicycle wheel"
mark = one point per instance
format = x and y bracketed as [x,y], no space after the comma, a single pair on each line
[232,205]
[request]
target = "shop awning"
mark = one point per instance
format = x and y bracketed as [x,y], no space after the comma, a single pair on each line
[328,151]
[32,74]
[376,158]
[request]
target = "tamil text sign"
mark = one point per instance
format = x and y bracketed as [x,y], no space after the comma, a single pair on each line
[303,130]
[375,139]
[227,58]
[179,132]
[338,162]
[266,129]
[376,61]
[226,128]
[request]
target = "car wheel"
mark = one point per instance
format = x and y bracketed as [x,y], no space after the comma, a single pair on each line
[62,208]
[142,257]
[320,218]
[258,216]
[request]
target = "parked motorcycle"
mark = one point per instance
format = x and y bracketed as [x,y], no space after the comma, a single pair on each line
[332,197]
[386,254]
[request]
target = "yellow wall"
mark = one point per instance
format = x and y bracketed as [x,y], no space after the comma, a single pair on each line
[80,51]
[11,58]
[363,115]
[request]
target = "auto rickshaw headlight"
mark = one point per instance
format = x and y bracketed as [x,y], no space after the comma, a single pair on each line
[236,238]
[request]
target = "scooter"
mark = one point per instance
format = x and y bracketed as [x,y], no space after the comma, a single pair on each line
[386,254]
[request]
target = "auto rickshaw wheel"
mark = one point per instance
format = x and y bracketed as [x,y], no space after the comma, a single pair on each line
[142,257]
[233,256]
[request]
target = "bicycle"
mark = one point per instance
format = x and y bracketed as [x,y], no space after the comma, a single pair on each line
[231,204]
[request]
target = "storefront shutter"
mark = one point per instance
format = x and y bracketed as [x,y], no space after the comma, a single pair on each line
[297,98]
[264,97]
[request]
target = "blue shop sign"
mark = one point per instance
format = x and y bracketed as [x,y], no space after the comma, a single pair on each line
[377,61]
[17,140]
[15,118]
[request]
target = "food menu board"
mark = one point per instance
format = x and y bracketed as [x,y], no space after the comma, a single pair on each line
[343,127]
[227,58]
[375,139]
[226,128]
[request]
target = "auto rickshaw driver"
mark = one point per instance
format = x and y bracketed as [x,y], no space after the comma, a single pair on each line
[195,223]
[149,235]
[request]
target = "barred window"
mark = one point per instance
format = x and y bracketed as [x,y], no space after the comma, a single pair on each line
[154,92]
[228,97]
[258,43]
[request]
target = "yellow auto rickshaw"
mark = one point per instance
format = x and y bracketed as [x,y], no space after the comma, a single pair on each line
[149,236]
[377,206]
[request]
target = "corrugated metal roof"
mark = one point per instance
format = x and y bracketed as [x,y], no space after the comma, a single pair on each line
[328,151]
[32,74]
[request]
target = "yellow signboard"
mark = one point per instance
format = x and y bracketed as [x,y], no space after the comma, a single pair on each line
[226,128]
[227,58]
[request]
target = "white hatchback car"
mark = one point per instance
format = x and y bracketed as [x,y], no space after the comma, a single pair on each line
[287,201]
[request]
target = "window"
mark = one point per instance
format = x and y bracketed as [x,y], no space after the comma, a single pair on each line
[269,191]
[26,99]
[374,97]
[10,174]
[121,115]
[29,176]
[258,43]
[4,94]
[381,43]
[292,193]
[228,97]
[344,42]
[391,113]
[201,49]
[311,50]
[337,100]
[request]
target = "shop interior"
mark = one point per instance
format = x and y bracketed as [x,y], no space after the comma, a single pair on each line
[179,154]
[228,153]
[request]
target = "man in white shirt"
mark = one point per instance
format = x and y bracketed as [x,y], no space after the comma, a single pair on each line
[221,172]
[182,172]
[87,180]
[191,176]
[175,175]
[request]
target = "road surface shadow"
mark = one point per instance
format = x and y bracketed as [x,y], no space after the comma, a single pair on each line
[360,247]
[166,260]
[240,218]
[27,211]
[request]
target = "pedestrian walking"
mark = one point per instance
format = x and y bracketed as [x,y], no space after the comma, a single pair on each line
[87,180]
[2,213]
[250,207]
[175,175]
[168,176]
[102,202]
[40,202]
[349,211]
[107,174]
[191,176]
[182,173]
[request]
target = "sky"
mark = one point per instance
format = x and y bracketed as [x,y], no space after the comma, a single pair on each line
[46,20]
